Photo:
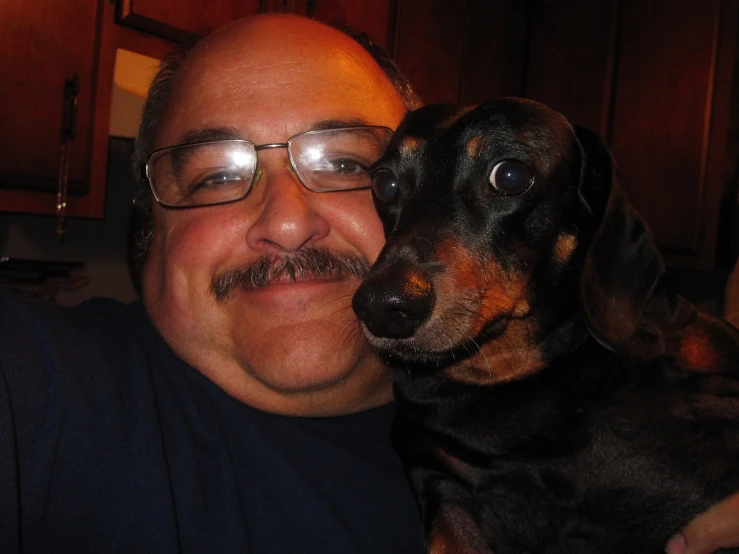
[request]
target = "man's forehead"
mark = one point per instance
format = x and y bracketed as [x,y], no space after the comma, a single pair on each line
[276,40]
[267,89]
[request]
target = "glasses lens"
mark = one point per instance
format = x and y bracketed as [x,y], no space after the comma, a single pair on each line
[202,174]
[338,159]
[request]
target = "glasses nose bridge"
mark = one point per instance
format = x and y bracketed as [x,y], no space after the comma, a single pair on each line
[290,165]
[272,146]
[258,147]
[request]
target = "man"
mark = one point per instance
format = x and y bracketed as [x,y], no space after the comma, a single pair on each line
[172,426]
[256,91]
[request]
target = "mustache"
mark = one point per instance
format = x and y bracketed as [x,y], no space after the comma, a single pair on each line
[309,262]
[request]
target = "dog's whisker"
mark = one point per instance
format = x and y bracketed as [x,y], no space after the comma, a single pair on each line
[484,357]
[351,330]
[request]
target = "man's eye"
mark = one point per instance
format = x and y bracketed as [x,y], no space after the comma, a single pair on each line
[345,166]
[215,181]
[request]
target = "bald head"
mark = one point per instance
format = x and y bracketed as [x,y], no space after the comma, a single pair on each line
[274,55]
[288,42]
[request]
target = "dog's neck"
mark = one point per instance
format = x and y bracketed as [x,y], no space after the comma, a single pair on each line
[523,349]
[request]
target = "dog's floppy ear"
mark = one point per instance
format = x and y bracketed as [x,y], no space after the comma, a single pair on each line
[622,264]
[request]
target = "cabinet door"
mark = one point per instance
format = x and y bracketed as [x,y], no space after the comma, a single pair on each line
[180,21]
[42,44]
[429,46]
[670,108]
[493,58]
[570,61]
[655,80]
[370,16]
[465,52]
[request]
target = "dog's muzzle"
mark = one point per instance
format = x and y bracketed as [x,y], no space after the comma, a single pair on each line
[394,304]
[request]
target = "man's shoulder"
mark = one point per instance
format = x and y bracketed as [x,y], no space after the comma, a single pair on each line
[79,416]
[21,314]
[39,337]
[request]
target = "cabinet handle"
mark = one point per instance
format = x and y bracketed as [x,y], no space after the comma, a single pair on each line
[66,136]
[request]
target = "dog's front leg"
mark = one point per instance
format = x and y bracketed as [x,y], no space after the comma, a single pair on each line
[454,531]
[449,522]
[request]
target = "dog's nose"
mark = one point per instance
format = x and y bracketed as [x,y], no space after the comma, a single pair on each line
[394,306]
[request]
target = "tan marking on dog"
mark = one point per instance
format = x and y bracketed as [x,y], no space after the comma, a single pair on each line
[483,288]
[509,357]
[439,543]
[697,351]
[416,284]
[522,308]
[410,144]
[469,294]
[474,146]
[454,531]
[564,248]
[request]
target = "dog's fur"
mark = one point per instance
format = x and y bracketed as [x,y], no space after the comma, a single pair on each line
[552,396]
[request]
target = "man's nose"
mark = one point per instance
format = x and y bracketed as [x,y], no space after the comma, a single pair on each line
[286,213]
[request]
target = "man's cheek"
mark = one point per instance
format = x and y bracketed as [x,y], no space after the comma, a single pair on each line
[366,227]
[200,242]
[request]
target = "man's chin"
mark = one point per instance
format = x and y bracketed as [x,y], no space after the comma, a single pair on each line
[332,388]
[292,355]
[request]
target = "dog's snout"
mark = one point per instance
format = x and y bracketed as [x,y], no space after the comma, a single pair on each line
[394,306]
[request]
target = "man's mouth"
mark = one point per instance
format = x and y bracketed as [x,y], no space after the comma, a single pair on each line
[309,264]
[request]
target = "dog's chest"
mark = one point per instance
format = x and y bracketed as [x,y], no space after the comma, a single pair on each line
[570,461]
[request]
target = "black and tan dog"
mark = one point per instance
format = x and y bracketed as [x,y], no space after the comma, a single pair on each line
[552,396]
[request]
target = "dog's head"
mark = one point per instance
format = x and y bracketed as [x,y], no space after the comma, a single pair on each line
[507,228]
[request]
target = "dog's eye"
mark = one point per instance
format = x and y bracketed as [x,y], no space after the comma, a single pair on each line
[511,177]
[385,185]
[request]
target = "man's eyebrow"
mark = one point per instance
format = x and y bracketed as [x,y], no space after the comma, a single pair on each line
[338,124]
[231,133]
[209,134]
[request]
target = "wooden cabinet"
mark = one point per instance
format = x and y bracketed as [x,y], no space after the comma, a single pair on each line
[668,126]
[570,63]
[430,44]
[655,79]
[374,17]
[42,46]
[463,52]
[182,21]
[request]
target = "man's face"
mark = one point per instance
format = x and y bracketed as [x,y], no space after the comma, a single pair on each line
[290,347]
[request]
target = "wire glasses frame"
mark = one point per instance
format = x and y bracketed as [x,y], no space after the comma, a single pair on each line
[224,171]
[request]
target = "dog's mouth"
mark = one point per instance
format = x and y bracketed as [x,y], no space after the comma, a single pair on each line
[437,346]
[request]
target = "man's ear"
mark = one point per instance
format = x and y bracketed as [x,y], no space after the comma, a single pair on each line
[622,264]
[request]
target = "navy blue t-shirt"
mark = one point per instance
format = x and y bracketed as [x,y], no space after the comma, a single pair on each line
[110,443]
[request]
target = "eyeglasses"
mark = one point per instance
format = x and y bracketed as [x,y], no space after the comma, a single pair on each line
[222,171]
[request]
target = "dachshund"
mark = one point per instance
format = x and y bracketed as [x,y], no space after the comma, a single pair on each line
[552,395]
